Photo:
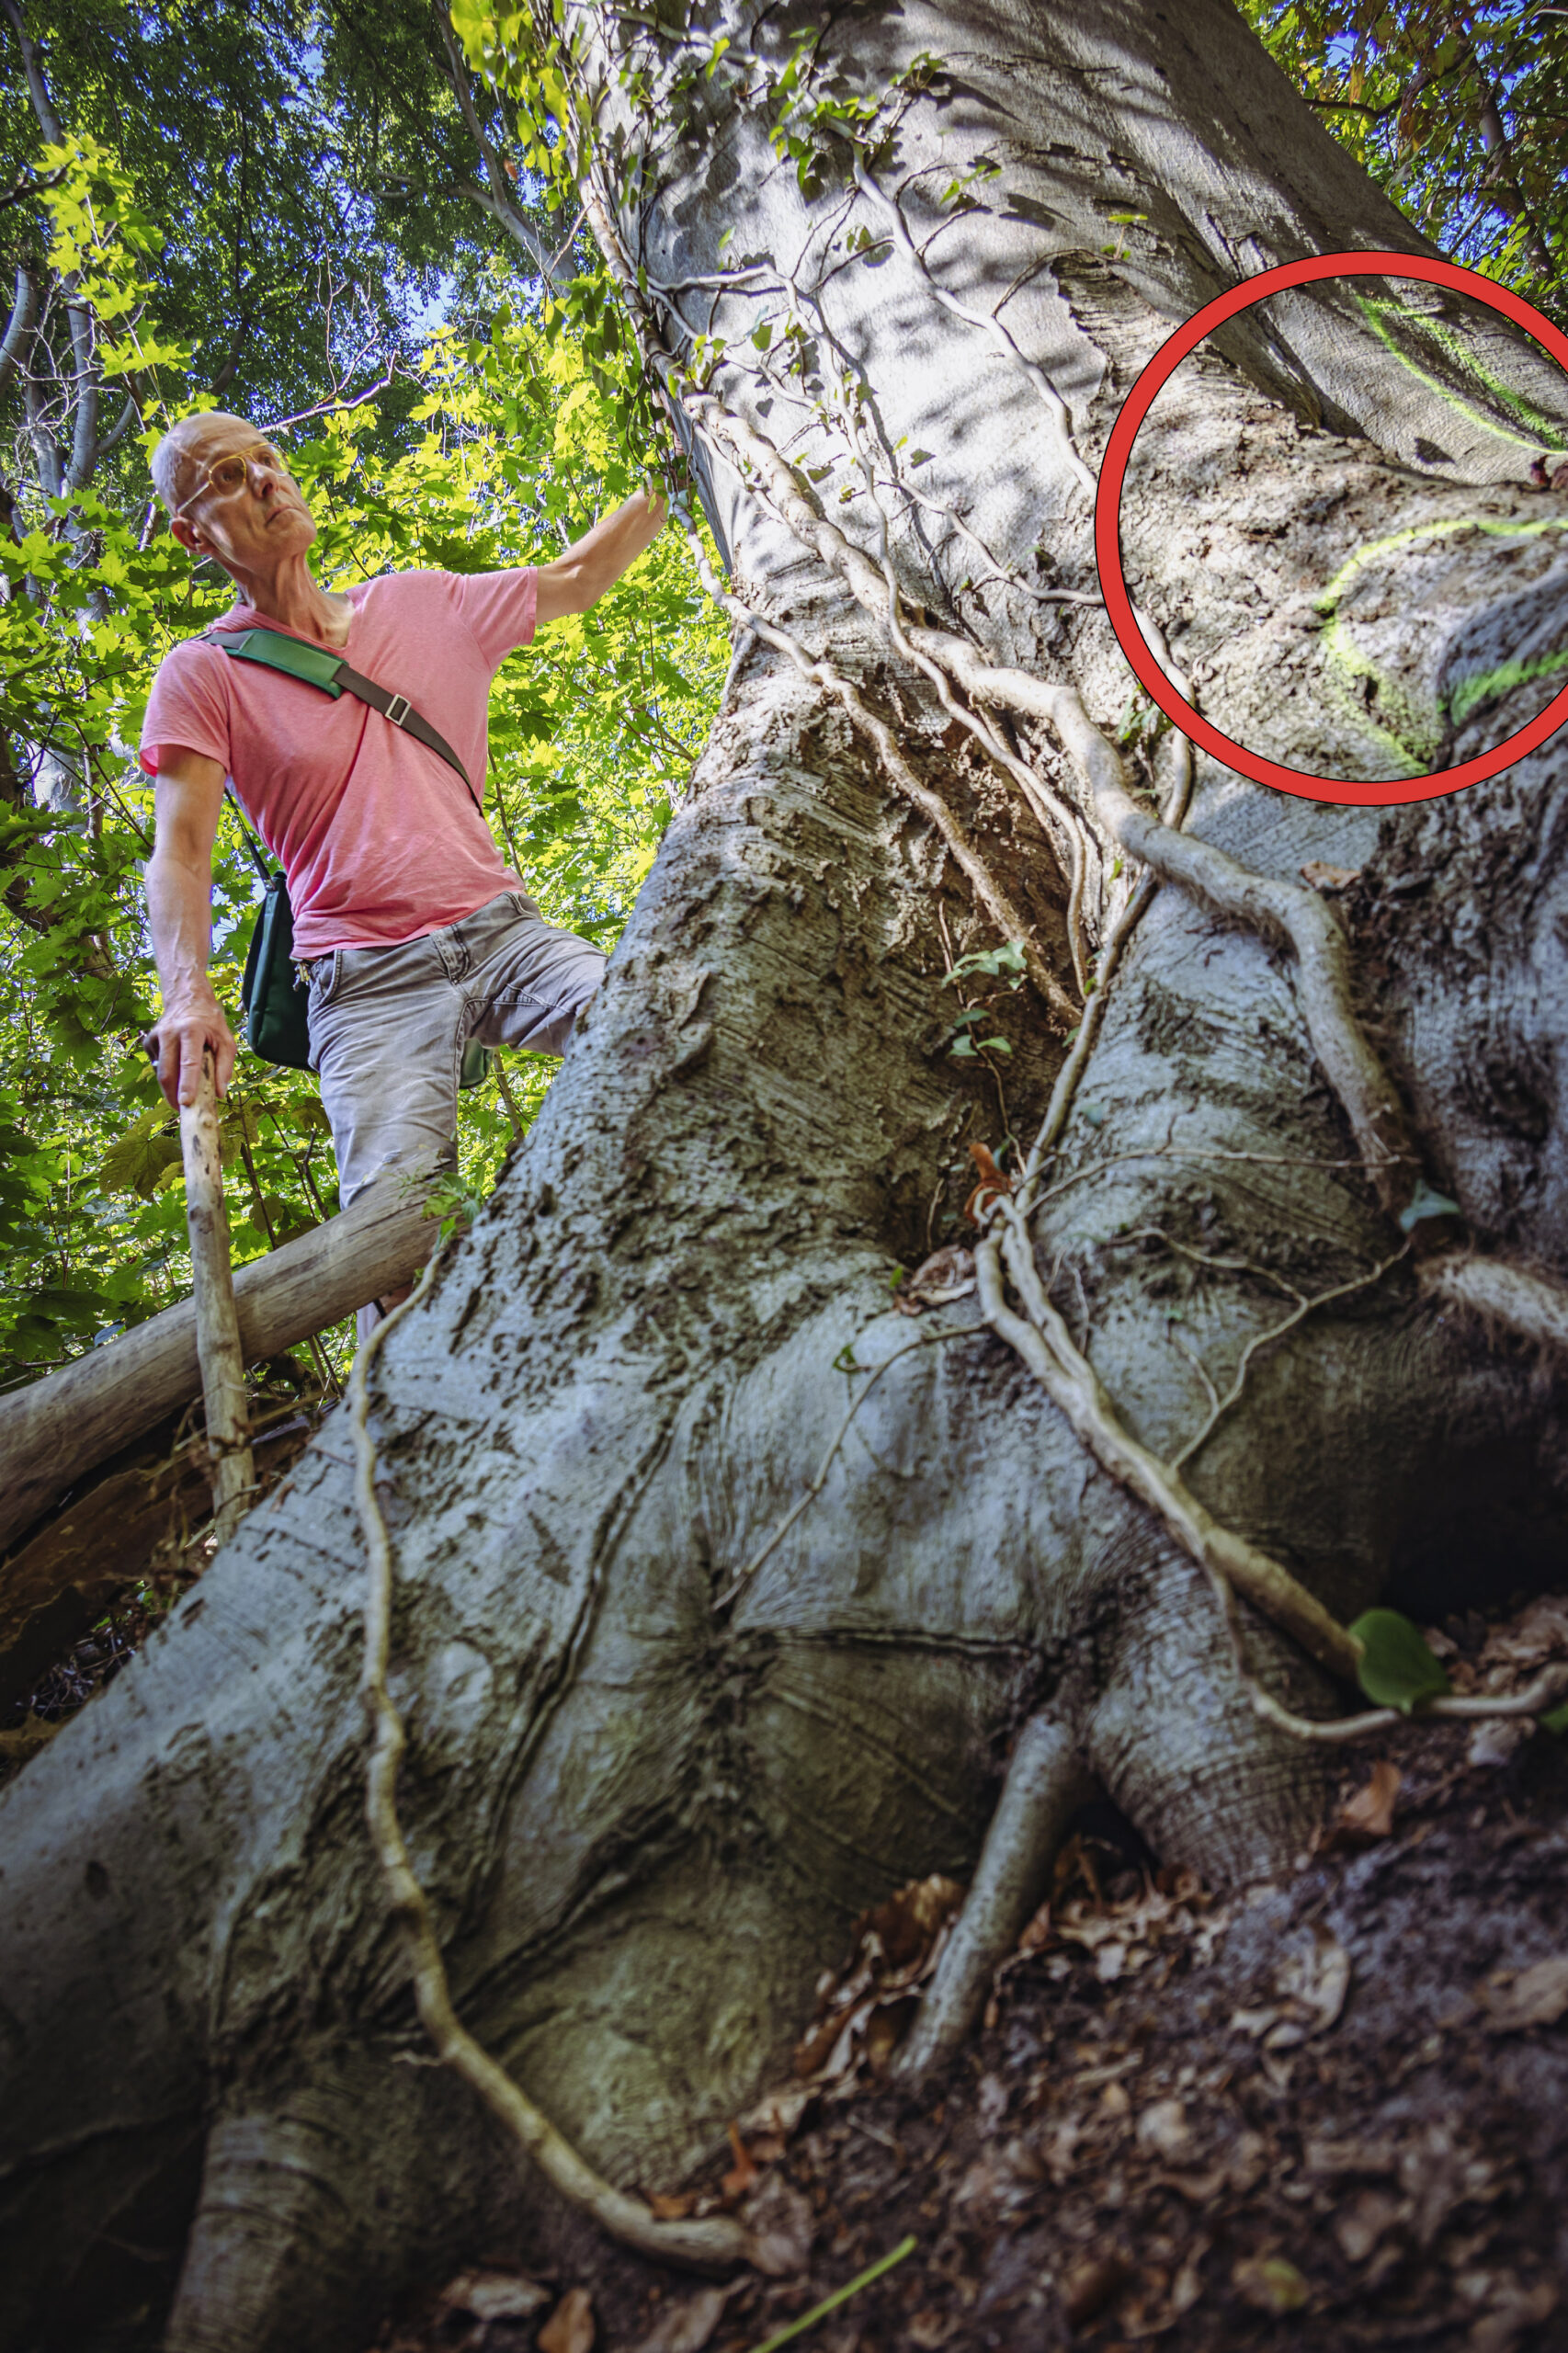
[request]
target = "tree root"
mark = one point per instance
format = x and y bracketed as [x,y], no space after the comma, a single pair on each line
[1549,1687]
[1043,1340]
[1527,1305]
[1046,1782]
[716,2244]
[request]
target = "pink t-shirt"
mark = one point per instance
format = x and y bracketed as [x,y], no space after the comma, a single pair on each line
[381,839]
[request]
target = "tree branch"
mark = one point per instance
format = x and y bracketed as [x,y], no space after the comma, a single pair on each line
[497,197]
[84,432]
[24,311]
[38,88]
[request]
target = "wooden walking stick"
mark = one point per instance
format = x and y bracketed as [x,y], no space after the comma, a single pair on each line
[217,1324]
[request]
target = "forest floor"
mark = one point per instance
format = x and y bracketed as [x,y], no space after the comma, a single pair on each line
[1322,2115]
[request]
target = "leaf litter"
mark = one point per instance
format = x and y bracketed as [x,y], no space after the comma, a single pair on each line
[1327,2114]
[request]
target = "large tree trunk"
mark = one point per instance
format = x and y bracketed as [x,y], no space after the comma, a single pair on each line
[644,1805]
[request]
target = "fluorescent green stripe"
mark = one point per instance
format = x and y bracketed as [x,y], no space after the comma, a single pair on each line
[1373,313]
[1417,531]
[1411,739]
[1502,681]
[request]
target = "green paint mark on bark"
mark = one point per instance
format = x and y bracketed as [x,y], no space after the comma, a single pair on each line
[1412,737]
[1540,435]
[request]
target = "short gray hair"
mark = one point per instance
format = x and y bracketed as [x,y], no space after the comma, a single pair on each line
[172,453]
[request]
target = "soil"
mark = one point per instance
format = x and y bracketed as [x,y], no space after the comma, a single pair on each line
[1321,2115]
[1318,2115]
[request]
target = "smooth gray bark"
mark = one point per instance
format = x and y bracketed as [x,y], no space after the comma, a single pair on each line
[646,1819]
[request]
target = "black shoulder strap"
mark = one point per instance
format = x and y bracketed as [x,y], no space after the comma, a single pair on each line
[252,844]
[319,666]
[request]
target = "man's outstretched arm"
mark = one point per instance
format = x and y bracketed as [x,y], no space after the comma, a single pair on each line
[189,795]
[595,563]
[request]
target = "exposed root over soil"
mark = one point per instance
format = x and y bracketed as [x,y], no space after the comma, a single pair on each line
[1325,2114]
[714,2244]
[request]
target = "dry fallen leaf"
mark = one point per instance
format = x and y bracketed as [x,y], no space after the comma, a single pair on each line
[1163,2130]
[495,2295]
[1437,2174]
[1367,1814]
[742,2173]
[1253,2022]
[1535,1996]
[1360,2225]
[1336,2158]
[993,1184]
[863,2012]
[1093,2284]
[947,1274]
[688,2327]
[1497,1742]
[779,2219]
[570,2328]
[1314,1983]
[776,2115]
[1515,2310]
[1037,1931]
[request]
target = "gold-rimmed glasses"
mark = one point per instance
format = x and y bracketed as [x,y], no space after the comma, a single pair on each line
[225,476]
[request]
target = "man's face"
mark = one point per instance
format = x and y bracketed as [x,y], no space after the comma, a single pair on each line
[247,526]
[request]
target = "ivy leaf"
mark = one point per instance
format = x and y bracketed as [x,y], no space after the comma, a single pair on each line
[1424,1203]
[997,964]
[1396,1668]
[135,1161]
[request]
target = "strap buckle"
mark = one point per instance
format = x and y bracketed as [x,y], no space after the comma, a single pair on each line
[397,711]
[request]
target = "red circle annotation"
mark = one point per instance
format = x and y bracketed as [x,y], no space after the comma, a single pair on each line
[1107,527]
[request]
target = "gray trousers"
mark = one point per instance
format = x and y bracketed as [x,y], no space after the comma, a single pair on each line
[389,1025]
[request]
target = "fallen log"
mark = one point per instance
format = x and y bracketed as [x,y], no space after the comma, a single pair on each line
[59,1427]
[64,1574]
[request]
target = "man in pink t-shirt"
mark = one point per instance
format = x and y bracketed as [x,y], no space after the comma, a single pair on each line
[416,934]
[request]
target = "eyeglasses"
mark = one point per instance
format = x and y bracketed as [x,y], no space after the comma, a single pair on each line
[225,476]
